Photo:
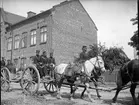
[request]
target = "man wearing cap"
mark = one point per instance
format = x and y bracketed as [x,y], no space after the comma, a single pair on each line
[83,57]
[44,61]
[37,62]
[92,52]
[51,61]
[83,54]
[3,62]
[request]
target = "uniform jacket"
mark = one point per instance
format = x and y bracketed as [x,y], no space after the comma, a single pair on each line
[51,60]
[44,59]
[37,60]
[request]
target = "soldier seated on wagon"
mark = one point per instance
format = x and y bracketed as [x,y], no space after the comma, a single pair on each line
[37,62]
[2,62]
[51,62]
[44,61]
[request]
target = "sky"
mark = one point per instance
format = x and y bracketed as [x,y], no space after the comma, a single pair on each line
[112,17]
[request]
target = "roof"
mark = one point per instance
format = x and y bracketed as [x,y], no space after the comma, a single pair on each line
[49,12]
[10,17]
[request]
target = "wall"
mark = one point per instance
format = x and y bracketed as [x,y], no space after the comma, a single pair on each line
[30,50]
[72,28]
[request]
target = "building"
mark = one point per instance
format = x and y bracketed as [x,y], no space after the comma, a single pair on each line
[63,30]
[7,19]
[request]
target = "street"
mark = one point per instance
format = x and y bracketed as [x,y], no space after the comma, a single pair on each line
[16,97]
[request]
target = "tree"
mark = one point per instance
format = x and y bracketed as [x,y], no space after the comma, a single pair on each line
[134,39]
[114,57]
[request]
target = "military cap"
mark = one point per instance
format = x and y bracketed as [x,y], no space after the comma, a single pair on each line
[44,51]
[84,47]
[37,50]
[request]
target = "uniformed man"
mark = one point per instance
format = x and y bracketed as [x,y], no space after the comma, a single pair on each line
[83,55]
[92,52]
[37,62]
[3,62]
[44,61]
[51,59]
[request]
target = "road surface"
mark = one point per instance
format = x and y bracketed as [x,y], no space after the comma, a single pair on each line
[16,97]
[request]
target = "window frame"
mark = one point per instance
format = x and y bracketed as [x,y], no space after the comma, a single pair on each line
[24,40]
[23,61]
[9,42]
[16,42]
[34,36]
[16,61]
[43,32]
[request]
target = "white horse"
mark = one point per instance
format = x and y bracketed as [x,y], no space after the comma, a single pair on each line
[90,65]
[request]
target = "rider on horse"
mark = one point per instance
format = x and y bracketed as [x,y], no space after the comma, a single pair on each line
[83,57]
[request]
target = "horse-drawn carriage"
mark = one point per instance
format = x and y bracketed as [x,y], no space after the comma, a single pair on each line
[29,79]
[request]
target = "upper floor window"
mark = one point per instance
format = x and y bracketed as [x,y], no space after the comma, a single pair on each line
[43,34]
[33,37]
[16,42]
[9,47]
[16,62]
[23,62]
[24,40]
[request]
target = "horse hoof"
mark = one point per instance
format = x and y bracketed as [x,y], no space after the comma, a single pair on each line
[71,99]
[92,100]
[99,96]
[113,100]
[82,97]
[59,97]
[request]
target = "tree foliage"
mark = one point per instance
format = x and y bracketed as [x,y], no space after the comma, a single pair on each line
[114,57]
[134,39]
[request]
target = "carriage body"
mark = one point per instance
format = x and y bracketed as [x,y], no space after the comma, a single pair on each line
[29,78]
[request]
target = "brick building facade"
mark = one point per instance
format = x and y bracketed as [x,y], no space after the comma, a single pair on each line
[63,29]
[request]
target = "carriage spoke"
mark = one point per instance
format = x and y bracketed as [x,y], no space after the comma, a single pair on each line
[31,80]
[52,87]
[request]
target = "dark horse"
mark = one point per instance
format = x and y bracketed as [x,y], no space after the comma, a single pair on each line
[128,73]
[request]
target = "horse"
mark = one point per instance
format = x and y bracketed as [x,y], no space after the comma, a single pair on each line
[129,72]
[77,75]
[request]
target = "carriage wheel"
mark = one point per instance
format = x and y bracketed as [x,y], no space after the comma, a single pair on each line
[5,79]
[30,81]
[50,87]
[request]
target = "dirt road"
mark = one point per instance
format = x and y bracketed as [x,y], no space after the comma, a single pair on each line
[16,97]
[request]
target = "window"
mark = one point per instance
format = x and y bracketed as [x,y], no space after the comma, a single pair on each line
[16,42]
[9,47]
[43,34]
[23,61]
[24,40]
[16,62]
[33,37]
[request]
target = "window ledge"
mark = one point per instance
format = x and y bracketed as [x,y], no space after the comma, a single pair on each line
[9,50]
[23,47]
[42,43]
[32,45]
[16,49]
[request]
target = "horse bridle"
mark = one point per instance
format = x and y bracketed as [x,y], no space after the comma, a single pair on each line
[95,68]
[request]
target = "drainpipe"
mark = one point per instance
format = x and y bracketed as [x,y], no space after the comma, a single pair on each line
[11,33]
